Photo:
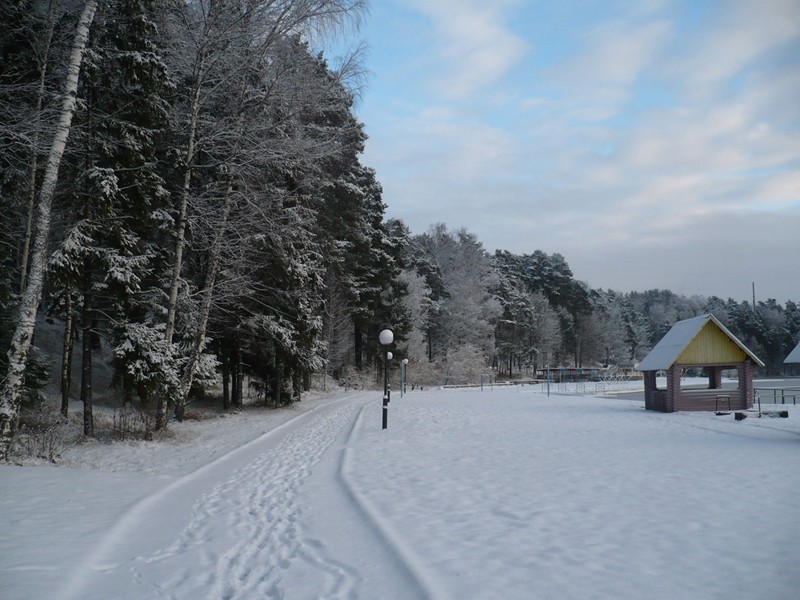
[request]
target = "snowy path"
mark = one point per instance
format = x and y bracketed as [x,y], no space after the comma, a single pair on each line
[236,527]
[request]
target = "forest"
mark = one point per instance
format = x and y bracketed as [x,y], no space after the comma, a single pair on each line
[182,182]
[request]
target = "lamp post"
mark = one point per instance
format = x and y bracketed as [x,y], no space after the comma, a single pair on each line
[386,337]
[403,367]
[548,380]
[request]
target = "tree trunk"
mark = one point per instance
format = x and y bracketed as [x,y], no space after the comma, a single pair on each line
[239,374]
[86,354]
[278,380]
[297,384]
[18,352]
[215,253]
[180,237]
[234,384]
[226,379]
[127,391]
[430,346]
[34,164]
[329,336]
[66,359]
[236,381]
[199,342]
[358,345]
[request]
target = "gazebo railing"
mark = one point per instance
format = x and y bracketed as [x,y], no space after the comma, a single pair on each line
[778,395]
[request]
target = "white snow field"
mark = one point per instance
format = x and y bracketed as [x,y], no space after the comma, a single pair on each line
[503,493]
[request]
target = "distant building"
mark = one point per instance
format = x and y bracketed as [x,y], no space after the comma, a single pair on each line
[794,355]
[699,342]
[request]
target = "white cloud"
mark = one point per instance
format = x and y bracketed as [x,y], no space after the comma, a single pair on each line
[474,46]
[617,52]
[598,82]
[777,192]
[744,31]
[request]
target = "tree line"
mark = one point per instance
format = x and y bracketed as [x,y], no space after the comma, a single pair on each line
[520,313]
[170,170]
[182,181]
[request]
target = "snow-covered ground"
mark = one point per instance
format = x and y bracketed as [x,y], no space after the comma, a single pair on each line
[501,493]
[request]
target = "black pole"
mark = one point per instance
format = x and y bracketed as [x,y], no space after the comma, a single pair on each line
[385,389]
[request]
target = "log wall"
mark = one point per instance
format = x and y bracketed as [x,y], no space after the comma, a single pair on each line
[674,398]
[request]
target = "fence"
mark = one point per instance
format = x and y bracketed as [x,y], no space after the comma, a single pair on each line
[778,395]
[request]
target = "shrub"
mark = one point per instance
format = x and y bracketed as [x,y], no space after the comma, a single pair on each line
[43,433]
[131,423]
[354,379]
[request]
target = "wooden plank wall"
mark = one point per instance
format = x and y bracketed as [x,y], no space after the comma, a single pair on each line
[707,400]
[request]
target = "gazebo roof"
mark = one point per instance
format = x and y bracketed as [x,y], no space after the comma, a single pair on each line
[679,339]
[794,355]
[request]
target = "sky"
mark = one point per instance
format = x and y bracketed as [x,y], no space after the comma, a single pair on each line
[654,144]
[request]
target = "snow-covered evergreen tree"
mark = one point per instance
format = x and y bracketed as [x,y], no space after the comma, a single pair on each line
[529,332]
[119,196]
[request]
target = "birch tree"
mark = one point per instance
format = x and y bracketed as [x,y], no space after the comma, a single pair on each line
[226,40]
[32,62]
[28,40]
[23,334]
[299,125]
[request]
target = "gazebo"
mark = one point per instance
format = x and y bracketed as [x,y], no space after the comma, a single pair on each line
[698,342]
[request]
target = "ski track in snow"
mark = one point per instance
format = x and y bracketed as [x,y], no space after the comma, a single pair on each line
[419,584]
[246,533]
[258,504]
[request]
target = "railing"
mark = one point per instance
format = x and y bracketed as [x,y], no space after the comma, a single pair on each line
[778,395]
[607,384]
